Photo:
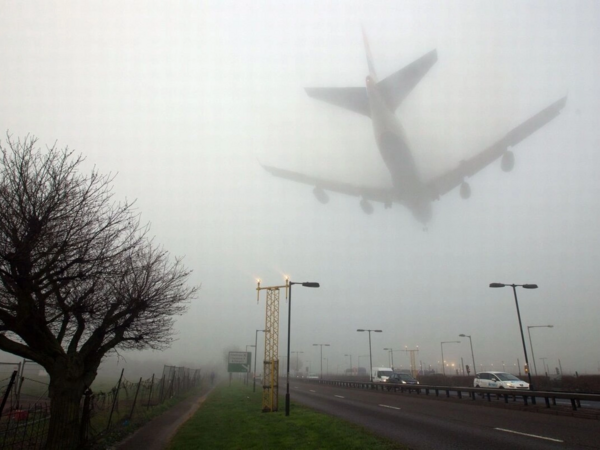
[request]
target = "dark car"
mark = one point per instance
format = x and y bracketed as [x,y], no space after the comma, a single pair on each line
[402,378]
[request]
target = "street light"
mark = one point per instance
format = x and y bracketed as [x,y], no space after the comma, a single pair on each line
[514,287]
[544,364]
[248,372]
[531,343]
[358,368]
[289,285]
[390,352]
[442,345]
[255,355]
[370,353]
[297,362]
[350,363]
[322,345]
[472,354]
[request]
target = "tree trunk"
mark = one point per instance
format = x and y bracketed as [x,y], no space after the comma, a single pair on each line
[65,409]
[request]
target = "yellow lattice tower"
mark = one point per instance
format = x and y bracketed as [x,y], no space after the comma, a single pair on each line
[413,363]
[271,363]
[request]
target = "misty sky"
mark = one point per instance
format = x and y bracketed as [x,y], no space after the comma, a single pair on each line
[184,100]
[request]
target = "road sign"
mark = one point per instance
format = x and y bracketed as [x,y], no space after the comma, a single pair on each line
[239,362]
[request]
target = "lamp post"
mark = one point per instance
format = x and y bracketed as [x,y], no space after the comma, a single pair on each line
[514,287]
[358,368]
[370,353]
[322,345]
[544,364]
[390,352]
[350,363]
[531,343]
[297,362]
[289,285]
[443,362]
[247,373]
[255,354]
[472,354]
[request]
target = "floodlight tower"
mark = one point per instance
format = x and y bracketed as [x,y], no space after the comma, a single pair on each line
[271,362]
[413,359]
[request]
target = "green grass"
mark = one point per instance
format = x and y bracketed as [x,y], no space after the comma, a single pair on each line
[231,418]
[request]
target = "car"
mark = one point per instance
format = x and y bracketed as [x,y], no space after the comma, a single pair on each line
[313,376]
[402,378]
[499,380]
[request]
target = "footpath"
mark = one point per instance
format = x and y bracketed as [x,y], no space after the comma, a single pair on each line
[156,434]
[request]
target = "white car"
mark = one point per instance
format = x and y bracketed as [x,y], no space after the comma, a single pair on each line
[499,380]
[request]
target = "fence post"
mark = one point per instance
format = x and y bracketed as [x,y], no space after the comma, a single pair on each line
[85,418]
[135,398]
[151,386]
[162,389]
[8,388]
[115,400]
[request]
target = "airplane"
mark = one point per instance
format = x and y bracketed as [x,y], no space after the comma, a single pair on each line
[379,101]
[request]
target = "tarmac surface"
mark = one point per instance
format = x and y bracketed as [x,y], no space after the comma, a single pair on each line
[156,434]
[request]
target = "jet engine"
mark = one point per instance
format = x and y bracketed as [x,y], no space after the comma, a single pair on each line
[321,195]
[508,161]
[366,206]
[465,190]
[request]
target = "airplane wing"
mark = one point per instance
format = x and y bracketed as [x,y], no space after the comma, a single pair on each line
[369,193]
[466,168]
[352,98]
[397,86]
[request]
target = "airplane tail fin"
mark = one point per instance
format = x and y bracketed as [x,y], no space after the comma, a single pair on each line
[394,88]
[397,86]
[372,72]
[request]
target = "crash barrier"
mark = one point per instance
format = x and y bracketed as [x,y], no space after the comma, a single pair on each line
[527,396]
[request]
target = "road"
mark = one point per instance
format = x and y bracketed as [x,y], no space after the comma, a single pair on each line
[428,423]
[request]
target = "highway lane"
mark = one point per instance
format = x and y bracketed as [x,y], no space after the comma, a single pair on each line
[427,423]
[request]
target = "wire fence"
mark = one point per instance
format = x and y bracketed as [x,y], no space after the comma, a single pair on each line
[25,424]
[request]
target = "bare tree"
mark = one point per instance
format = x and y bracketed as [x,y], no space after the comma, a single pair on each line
[79,278]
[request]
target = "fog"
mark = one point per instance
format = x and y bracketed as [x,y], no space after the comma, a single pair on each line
[185,100]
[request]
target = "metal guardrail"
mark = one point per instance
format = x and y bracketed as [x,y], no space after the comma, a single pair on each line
[526,395]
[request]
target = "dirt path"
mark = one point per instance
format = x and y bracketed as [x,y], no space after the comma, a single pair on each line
[156,434]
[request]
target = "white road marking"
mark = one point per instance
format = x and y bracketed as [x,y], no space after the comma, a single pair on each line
[388,406]
[340,396]
[527,434]
[312,390]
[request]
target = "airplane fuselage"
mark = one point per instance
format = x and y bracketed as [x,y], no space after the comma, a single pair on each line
[409,188]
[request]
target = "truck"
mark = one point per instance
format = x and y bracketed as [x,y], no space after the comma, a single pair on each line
[381,374]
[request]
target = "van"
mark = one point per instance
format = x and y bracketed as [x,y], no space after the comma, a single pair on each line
[381,374]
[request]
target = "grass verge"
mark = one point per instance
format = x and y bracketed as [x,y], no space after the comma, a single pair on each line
[231,418]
